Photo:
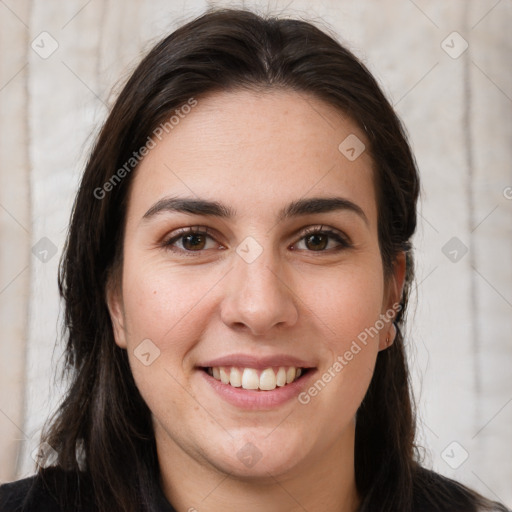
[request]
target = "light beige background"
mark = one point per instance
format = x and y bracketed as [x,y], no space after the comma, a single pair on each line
[459,115]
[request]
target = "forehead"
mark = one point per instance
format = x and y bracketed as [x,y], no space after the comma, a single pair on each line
[258,151]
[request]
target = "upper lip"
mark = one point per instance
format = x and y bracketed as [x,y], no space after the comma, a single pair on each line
[258,363]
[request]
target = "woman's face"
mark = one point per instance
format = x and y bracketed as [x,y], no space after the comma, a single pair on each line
[250,251]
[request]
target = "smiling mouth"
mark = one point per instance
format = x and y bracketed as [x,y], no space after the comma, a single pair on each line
[256,380]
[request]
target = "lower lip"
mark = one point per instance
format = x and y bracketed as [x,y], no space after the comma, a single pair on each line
[256,400]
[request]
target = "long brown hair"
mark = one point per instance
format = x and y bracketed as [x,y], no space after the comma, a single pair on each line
[102,432]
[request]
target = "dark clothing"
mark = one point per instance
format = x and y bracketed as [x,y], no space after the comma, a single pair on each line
[34,495]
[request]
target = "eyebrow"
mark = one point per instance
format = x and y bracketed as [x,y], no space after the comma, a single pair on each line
[320,205]
[192,206]
[297,208]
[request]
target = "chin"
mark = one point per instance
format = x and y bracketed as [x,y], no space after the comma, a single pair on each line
[262,456]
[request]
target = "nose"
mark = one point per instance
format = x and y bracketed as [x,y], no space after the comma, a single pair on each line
[258,298]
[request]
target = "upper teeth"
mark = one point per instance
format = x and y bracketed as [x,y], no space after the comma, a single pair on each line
[248,378]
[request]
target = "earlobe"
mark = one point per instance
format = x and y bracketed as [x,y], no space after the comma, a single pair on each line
[390,338]
[116,311]
[394,297]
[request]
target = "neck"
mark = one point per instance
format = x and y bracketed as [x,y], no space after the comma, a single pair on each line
[323,482]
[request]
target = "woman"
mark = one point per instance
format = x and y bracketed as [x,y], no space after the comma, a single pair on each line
[235,280]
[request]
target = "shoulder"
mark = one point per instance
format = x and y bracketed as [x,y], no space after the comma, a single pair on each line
[433,492]
[27,495]
[13,494]
[38,493]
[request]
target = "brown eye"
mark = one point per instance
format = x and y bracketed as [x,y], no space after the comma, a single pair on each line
[320,239]
[194,242]
[191,240]
[316,242]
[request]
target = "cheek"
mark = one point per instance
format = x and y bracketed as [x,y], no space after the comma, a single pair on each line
[347,301]
[165,303]
[347,307]
[167,306]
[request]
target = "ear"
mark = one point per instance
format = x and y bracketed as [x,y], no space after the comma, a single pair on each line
[393,297]
[116,310]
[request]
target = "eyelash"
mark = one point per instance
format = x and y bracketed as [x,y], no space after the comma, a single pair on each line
[343,241]
[195,230]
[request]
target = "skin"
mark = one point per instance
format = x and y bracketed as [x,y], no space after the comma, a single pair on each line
[254,152]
